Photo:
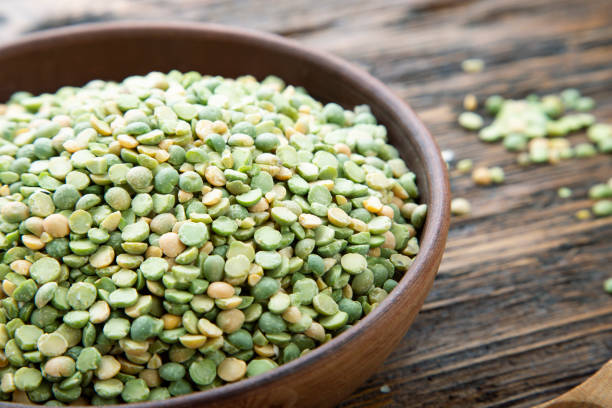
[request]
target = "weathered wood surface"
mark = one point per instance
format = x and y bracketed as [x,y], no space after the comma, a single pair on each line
[595,391]
[517,315]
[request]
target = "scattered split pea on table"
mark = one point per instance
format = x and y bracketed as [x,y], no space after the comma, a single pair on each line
[175,232]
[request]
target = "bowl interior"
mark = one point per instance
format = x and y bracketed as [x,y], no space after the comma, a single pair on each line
[73,56]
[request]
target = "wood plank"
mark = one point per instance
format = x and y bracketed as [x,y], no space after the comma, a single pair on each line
[596,391]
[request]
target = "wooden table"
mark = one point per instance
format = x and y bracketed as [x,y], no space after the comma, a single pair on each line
[517,314]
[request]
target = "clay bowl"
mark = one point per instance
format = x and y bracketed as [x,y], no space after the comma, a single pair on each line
[48,60]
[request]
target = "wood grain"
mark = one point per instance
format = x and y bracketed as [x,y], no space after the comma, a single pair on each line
[593,393]
[517,315]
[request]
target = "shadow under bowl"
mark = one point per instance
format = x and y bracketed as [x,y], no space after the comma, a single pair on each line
[45,61]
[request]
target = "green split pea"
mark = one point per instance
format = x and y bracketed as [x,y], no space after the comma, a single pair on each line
[176,232]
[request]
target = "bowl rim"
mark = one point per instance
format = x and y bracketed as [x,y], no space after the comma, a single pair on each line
[436,226]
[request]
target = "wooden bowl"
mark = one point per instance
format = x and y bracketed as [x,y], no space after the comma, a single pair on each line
[48,60]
